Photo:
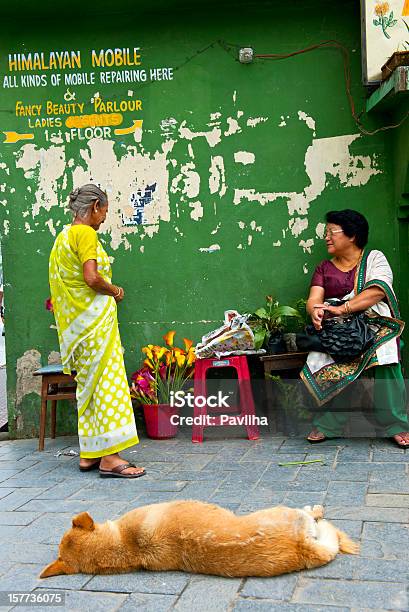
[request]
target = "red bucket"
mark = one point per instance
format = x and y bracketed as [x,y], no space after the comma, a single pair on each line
[158,421]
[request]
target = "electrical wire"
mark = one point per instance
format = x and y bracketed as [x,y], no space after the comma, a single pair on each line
[347,77]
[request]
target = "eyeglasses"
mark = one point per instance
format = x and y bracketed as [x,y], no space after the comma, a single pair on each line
[332,232]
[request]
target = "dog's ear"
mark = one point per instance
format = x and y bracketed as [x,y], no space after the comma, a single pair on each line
[83,521]
[56,568]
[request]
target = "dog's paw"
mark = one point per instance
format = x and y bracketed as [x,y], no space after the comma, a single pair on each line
[317,512]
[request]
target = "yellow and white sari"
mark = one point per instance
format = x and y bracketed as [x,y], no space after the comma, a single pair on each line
[90,344]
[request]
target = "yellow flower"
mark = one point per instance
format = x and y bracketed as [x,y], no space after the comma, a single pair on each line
[168,338]
[147,350]
[381,9]
[148,364]
[180,359]
[188,343]
[191,357]
[159,351]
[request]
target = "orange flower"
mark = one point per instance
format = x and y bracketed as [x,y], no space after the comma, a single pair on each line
[188,343]
[381,9]
[148,364]
[168,338]
[159,351]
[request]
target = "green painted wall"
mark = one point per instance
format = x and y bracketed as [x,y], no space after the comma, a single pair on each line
[195,130]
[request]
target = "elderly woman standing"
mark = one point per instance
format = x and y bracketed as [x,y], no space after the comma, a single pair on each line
[84,302]
[364,279]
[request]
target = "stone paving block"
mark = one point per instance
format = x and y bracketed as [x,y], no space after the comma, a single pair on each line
[18,518]
[28,573]
[62,490]
[210,475]
[387,540]
[9,473]
[358,472]
[276,587]
[197,490]
[354,454]
[19,552]
[53,506]
[42,467]
[346,494]
[168,583]
[369,513]
[22,464]
[343,566]
[204,593]
[148,603]
[18,498]
[386,595]
[382,570]
[48,529]
[156,497]
[101,513]
[78,601]
[387,455]
[276,473]
[22,481]
[313,482]
[299,499]
[4,492]
[264,605]
[387,500]
[10,533]
[251,505]
[351,528]
[382,484]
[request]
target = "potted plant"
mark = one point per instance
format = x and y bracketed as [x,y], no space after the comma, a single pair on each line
[165,371]
[269,322]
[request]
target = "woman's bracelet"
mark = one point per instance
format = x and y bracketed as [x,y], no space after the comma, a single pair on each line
[347,307]
[118,293]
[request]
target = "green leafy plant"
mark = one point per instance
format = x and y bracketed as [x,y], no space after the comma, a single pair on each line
[271,319]
[290,398]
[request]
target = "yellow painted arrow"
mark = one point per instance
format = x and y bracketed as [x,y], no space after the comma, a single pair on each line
[15,137]
[137,124]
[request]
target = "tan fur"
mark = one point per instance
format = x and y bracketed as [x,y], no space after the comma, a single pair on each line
[193,536]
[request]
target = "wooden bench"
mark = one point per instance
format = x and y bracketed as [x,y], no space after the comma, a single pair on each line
[281,362]
[55,385]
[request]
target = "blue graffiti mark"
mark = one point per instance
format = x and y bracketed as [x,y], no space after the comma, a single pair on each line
[139,201]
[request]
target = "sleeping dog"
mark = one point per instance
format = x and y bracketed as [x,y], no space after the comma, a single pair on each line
[193,536]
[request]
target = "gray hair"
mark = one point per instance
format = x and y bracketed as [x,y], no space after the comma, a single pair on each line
[82,198]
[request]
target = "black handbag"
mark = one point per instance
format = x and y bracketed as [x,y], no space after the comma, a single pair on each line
[343,338]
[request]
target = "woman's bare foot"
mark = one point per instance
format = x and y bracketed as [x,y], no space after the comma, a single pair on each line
[88,464]
[316,436]
[402,439]
[108,462]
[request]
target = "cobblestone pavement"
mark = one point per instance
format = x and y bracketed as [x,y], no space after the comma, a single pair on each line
[363,485]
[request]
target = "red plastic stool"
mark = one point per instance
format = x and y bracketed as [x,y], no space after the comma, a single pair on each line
[239,363]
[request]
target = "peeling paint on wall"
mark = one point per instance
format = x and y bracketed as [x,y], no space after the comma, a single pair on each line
[244,157]
[26,382]
[210,249]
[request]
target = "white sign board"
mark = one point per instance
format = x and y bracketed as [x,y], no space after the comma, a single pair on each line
[385,29]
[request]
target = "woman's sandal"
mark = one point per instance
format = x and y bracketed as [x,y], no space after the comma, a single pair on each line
[116,472]
[316,436]
[401,435]
[92,466]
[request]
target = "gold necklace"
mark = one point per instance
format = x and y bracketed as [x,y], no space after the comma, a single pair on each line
[349,268]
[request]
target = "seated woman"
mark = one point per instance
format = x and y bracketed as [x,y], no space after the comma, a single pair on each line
[363,278]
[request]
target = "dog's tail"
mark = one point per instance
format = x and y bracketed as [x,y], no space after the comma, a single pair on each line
[346,545]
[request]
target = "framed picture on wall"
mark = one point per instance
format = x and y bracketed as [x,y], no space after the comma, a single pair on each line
[385,29]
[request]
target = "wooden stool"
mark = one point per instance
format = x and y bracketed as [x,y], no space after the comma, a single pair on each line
[239,363]
[55,385]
